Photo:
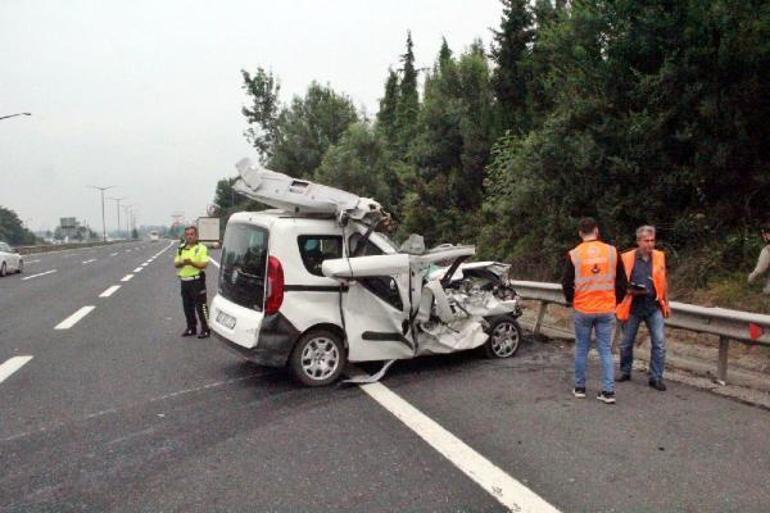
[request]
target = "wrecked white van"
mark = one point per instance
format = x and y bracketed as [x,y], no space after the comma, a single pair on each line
[313,284]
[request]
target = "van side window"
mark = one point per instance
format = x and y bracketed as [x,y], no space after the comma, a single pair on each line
[314,249]
[384,287]
[368,250]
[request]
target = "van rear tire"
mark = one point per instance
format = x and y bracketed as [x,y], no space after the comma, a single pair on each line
[318,358]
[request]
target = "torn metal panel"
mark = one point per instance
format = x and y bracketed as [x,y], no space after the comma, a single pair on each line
[301,196]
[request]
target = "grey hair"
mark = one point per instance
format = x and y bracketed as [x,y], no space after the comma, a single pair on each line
[647,228]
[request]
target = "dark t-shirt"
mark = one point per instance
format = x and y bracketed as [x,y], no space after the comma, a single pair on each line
[642,306]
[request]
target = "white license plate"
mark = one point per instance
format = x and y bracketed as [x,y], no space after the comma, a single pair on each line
[228,321]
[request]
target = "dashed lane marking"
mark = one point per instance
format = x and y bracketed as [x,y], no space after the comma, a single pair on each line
[127,277]
[74,318]
[31,261]
[89,261]
[509,492]
[113,254]
[110,291]
[214,262]
[11,365]
[38,275]
[137,269]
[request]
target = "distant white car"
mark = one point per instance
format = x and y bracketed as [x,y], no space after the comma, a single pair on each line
[10,260]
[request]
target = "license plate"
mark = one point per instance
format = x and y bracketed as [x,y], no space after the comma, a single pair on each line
[228,321]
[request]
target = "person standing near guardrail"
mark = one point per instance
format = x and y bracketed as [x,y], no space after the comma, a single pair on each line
[191,259]
[646,300]
[593,284]
[763,262]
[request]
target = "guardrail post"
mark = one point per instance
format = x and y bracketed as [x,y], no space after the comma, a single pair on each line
[724,344]
[540,315]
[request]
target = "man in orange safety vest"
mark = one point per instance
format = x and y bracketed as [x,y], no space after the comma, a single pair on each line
[593,283]
[645,301]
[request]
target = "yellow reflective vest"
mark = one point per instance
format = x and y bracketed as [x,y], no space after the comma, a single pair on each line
[197,253]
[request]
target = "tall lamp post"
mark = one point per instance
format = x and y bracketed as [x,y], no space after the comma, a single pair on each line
[118,200]
[128,210]
[14,115]
[104,225]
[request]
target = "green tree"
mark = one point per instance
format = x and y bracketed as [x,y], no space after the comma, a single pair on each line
[12,231]
[408,105]
[359,163]
[510,49]
[262,115]
[451,149]
[386,116]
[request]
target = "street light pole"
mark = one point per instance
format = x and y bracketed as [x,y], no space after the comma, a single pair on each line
[14,115]
[104,225]
[118,200]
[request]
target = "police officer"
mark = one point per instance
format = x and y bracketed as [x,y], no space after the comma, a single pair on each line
[191,260]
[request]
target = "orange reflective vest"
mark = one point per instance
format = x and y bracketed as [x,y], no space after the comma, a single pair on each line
[595,263]
[658,279]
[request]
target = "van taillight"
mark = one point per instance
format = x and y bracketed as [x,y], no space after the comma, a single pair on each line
[274,285]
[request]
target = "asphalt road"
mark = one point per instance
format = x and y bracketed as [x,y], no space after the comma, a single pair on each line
[118,413]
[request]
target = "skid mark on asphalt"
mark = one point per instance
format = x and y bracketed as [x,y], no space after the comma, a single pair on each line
[111,411]
[11,365]
[505,489]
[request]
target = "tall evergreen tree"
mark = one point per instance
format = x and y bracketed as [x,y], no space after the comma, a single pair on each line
[509,51]
[408,100]
[386,116]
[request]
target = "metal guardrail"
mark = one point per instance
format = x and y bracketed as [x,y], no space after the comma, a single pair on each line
[47,248]
[729,325]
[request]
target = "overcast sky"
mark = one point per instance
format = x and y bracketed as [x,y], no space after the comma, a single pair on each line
[146,95]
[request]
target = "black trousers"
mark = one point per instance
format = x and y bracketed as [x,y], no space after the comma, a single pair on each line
[194,299]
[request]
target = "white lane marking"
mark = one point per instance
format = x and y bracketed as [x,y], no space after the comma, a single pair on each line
[113,254]
[128,251]
[110,291]
[127,277]
[31,261]
[508,491]
[214,262]
[11,365]
[74,318]
[38,274]
[137,269]
[89,261]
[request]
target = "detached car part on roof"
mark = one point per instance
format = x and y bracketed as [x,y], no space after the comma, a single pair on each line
[350,294]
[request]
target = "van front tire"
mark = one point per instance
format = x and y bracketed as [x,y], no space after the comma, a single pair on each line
[318,358]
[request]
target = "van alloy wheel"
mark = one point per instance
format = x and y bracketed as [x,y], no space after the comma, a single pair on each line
[318,358]
[504,338]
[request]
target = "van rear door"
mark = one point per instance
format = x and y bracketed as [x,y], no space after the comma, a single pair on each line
[238,309]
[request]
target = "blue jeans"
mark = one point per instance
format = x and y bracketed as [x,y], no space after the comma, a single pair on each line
[656,326]
[603,325]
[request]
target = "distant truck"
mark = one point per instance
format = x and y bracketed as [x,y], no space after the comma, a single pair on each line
[154,236]
[208,231]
